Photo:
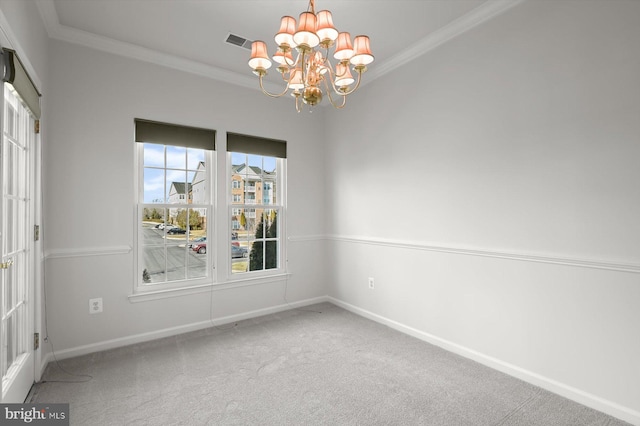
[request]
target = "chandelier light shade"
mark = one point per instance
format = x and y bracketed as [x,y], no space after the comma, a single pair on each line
[259,56]
[311,75]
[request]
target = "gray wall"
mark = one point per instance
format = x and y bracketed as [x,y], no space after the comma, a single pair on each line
[485,186]
[90,195]
[489,187]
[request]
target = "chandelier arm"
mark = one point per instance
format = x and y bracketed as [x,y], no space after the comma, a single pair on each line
[333,104]
[333,74]
[352,90]
[273,95]
[327,63]
[294,63]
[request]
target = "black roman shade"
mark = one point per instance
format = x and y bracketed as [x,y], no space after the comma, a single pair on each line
[256,145]
[174,134]
[13,72]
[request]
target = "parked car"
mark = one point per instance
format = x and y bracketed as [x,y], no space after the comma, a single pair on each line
[174,231]
[200,248]
[239,252]
[164,226]
[236,252]
[197,241]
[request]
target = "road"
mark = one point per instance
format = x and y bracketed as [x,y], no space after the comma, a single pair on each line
[181,262]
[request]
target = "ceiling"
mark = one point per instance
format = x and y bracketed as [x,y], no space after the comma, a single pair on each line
[190,34]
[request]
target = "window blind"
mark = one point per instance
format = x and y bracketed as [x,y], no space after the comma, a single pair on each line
[14,73]
[256,145]
[174,134]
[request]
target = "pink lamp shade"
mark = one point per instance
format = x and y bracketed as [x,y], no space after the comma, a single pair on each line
[343,75]
[259,58]
[287,29]
[283,58]
[344,50]
[361,51]
[325,29]
[295,82]
[306,33]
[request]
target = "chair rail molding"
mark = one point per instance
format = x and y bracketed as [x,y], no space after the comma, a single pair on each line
[87,251]
[501,254]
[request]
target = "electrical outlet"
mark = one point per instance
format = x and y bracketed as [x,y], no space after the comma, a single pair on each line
[371,284]
[95,305]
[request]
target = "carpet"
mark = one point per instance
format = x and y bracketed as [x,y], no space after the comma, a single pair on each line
[319,365]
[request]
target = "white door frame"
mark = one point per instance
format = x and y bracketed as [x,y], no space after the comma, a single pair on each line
[36,250]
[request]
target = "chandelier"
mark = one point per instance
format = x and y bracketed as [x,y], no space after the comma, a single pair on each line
[311,73]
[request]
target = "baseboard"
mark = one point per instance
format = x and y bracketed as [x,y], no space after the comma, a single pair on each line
[574,394]
[45,360]
[173,331]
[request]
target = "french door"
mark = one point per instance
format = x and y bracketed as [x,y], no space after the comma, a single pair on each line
[17,152]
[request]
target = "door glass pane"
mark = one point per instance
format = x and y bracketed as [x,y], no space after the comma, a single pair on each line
[9,232]
[10,339]
[17,140]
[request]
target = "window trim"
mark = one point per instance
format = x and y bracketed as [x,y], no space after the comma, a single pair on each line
[185,285]
[219,225]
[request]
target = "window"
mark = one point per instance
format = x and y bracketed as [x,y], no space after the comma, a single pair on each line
[175,204]
[258,202]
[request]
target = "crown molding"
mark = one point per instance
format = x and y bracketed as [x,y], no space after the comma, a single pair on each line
[84,38]
[55,30]
[475,17]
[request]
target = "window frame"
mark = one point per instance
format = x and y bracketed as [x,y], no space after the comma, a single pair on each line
[141,288]
[280,205]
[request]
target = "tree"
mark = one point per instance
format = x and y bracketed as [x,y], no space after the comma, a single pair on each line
[255,257]
[258,256]
[271,257]
[151,214]
[194,219]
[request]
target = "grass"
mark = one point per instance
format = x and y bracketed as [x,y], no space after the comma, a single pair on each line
[240,266]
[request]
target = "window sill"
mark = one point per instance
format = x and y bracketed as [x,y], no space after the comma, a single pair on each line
[150,295]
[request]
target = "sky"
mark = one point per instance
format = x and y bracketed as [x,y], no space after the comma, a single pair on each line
[181,165]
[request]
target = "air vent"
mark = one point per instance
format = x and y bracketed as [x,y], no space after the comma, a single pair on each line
[239,41]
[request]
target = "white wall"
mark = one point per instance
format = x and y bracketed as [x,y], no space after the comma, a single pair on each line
[487,184]
[90,195]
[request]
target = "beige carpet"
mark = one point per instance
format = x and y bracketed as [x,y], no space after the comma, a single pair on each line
[317,366]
